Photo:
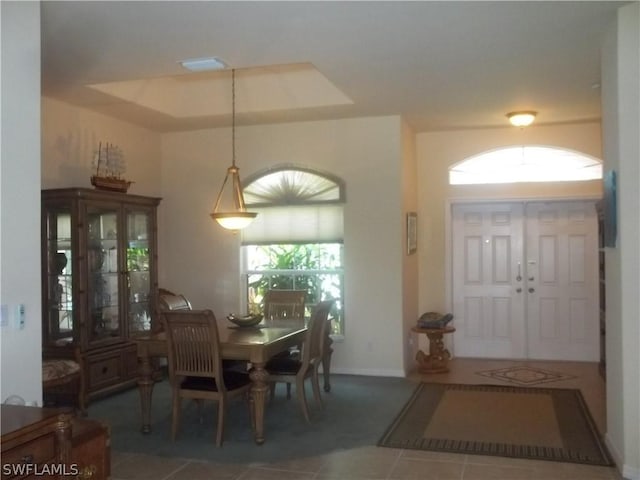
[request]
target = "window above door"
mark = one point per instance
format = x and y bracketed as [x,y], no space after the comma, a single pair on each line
[525,163]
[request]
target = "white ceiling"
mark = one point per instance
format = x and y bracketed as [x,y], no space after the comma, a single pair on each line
[441,65]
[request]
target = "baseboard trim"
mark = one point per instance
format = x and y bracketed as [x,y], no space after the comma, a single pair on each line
[630,473]
[627,472]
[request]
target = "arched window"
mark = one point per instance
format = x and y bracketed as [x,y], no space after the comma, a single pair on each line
[294,205]
[296,241]
[528,163]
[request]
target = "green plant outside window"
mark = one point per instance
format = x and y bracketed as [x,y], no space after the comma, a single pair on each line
[316,268]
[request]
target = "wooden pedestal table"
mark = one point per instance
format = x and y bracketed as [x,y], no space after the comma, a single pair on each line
[437,361]
[254,345]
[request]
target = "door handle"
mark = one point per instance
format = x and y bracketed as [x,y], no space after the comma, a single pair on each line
[519,276]
[531,289]
[518,290]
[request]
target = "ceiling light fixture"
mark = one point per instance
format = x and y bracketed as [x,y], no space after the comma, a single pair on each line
[203,64]
[521,119]
[237,217]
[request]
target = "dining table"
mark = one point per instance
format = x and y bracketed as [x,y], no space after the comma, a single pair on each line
[255,345]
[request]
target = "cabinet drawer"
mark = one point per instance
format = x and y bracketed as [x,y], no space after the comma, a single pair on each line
[104,370]
[38,451]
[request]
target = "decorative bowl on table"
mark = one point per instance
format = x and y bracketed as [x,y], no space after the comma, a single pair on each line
[243,321]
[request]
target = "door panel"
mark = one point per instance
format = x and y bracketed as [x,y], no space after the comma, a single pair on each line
[488,315]
[525,279]
[562,272]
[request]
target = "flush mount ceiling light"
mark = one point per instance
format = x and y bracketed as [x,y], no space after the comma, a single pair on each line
[232,214]
[203,64]
[521,119]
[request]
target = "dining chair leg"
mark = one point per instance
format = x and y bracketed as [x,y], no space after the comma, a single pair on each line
[302,400]
[272,391]
[200,403]
[315,382]
[220,429]
[288,391]
[175,415]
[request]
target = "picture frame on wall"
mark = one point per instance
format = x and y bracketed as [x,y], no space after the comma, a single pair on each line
[412,232]
[610,208]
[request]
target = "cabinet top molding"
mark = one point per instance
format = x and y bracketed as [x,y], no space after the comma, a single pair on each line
[90,193]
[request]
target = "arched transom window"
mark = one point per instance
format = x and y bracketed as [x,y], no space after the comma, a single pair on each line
[528,163]
[294,205]
[289,186]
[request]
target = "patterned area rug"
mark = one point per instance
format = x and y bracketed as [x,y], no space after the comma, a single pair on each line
[525,376]
[498,420]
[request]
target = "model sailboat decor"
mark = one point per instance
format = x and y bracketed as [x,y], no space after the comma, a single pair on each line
[110,166]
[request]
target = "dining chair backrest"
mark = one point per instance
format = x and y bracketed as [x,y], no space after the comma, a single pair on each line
[313,348]
[195,364]
[172,301]
[284,304]
[193,344]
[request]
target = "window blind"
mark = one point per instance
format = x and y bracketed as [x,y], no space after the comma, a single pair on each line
[321,223]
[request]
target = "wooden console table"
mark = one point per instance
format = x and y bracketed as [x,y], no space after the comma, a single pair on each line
[52,443]
[437,361]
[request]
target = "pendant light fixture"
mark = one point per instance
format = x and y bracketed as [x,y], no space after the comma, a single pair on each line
[236,217]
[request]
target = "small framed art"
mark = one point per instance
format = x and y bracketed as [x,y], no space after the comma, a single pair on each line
[412,232]
[610,209]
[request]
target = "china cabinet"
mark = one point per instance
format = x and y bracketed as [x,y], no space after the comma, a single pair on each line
[99,280]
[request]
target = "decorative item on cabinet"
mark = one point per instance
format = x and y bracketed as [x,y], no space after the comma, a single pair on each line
[100,299]
[110,166]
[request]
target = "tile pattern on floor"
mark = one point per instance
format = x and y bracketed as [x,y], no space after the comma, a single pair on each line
[524,376]
[378,463]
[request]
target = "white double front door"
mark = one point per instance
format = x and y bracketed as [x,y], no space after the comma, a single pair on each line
[525,280]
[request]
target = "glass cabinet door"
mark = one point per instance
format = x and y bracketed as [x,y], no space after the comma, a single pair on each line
[58,286]
[103,267]
[138,270]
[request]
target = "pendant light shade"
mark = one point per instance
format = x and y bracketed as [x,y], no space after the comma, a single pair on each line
[229,210]
[238,218]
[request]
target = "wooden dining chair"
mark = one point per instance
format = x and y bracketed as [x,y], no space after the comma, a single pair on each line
[296,369]
[195,366]
[63,378]
[283,304]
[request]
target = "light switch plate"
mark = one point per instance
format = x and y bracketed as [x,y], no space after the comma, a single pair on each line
[4,315]
[19,316]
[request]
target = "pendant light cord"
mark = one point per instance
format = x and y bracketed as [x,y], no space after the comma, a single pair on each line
[233,117]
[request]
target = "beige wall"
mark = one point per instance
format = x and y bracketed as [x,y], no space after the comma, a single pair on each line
[21,367]
[409,262]
[202,260]
[70,135]
[372,155]
[621,120]
[437,151]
